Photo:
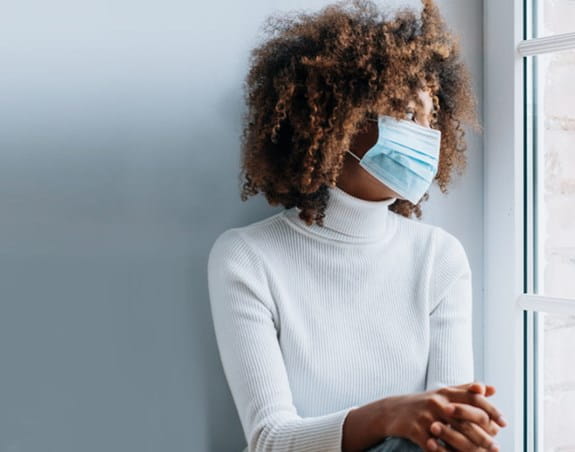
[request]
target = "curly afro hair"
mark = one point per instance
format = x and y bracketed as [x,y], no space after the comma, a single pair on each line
[317,77]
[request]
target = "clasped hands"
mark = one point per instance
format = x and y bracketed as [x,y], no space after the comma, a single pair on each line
[471,426]
[452,418]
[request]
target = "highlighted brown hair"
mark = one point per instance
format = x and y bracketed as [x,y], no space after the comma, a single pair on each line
[317,76]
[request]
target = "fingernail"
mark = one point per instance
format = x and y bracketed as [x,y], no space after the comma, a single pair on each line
[502,421]
[432,445]
[494,447]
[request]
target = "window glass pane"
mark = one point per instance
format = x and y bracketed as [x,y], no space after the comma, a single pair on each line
[554,140]
[550,104]
[553,17]
[558,383]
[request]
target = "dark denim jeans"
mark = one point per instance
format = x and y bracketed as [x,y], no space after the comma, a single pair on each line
[395,444]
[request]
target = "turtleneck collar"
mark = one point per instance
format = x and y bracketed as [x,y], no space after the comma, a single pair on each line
[350,219]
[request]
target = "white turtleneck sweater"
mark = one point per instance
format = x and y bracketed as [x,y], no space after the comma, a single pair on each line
[314,321]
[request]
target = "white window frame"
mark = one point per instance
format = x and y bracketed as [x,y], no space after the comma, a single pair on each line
[510,305]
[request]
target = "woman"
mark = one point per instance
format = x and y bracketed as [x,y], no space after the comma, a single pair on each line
[341,322]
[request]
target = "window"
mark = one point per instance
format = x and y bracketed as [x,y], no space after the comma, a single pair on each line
[548,53]
[530,220]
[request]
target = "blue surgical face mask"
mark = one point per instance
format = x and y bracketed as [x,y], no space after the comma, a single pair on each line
[405,157]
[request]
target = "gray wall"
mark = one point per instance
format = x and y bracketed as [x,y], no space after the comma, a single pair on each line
[119,125]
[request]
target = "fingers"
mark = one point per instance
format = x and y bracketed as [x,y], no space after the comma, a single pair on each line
[457,440]
[476,434]
[435,446]
[428,443]
[470,413]
[478,387]
[468,397]
[432,444]
[451,436]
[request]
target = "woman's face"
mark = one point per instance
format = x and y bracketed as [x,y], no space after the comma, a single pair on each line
[357,181]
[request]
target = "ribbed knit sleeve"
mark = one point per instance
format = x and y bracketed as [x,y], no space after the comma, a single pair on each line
[245,322]
[451,348]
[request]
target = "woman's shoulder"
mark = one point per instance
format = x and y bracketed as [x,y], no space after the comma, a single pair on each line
[449,245]
[243,240]
[415,229]
[442,237]
[448,252]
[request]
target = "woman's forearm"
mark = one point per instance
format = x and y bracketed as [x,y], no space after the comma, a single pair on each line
[364,427]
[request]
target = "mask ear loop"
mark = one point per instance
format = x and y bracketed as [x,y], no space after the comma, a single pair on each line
[358,159]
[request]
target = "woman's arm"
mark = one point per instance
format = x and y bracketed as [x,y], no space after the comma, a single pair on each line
[244,319]
[450,360]
[364,427]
